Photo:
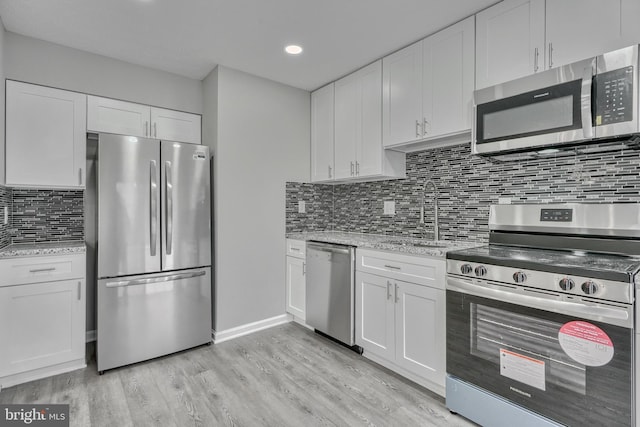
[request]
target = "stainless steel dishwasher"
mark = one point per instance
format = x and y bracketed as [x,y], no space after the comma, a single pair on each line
[330,296]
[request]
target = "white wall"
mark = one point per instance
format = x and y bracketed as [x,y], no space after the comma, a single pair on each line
[261,138]
[36,61]
[2,86]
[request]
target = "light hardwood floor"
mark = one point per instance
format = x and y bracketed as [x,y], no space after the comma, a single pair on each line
[283,376]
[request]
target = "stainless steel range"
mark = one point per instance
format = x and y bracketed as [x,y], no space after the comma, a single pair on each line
[540,323]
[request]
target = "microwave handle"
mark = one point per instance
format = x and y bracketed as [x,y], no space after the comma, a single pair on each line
[585,100]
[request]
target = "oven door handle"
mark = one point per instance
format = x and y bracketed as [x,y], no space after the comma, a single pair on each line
[609,313]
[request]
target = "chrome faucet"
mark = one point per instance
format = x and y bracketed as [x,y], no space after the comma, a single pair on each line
[436,228]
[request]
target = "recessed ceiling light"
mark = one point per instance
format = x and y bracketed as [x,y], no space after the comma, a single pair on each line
[293,49]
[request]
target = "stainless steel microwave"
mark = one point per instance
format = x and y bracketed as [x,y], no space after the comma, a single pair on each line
[590,99]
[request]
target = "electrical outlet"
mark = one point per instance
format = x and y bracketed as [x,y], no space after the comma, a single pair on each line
[390,207]
[302,207]
[504,200]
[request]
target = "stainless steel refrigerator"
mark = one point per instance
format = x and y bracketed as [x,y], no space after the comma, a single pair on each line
[153,249]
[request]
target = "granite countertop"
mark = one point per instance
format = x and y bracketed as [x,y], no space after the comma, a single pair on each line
[409,245]
[39,249]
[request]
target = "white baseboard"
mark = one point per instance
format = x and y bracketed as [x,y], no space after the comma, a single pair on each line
[91,336]
[221,336]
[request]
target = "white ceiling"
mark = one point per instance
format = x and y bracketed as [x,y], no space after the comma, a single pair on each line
[190,37]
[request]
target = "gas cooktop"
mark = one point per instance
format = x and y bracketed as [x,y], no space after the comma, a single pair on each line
[591,264]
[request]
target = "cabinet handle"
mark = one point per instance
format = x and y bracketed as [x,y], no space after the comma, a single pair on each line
[79,291]
[357,168]
[155,130]
[550,55]
[304,268]
[536,54]
[393,267]
[329,171]
[80,176]
[351,168]
[40,270]
[388,289]
[424,126]
[396,293]
[417,129]
[295,249]
[146,128]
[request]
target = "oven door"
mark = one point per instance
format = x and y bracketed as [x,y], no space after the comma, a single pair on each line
[565,358]
[544,109]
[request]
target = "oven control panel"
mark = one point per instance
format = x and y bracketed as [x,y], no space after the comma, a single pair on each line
[556,215]
[571,285]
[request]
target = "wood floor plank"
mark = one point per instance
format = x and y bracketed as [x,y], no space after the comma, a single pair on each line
[283,376]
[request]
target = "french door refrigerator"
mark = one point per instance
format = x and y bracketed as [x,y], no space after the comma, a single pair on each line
[154,249]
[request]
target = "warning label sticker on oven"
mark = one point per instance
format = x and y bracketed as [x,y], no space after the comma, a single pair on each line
[522,368]
[586,343]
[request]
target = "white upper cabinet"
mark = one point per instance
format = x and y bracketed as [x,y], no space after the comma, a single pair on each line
[510,41]
[174,125]
[128,118]
[402,96]
[347,125]
[578,29]
[428,88]
[358,126]
[45,136]
[448,62]
[359,154]
[120,117]
[516,38]
[322,104]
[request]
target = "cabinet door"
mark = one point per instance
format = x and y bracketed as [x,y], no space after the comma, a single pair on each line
[171,125]
[448,61]
[578,29]
[369,145]
[45,136]
[420,330]
[375,317]
[43,323]
[296,287]
[348,122]
[119,117]
[510,41]
[402,96]
[322,103]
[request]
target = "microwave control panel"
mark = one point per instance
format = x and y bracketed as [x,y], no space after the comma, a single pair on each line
[614,96]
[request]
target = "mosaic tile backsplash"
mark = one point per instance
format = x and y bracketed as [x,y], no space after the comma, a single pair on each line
[467,185]
[47,215]
[5,229]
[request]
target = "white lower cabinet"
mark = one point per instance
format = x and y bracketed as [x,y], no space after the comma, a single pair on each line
[401,323]
[296,281]
[42,323]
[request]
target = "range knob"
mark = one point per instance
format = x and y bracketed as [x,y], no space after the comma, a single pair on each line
[589,287]
[519,277]
[567,284]
[481,271]
[466,269]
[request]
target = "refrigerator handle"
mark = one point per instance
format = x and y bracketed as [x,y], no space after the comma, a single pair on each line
[153,196]
[169,205]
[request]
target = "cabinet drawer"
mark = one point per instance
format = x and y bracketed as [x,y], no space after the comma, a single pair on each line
[296,248]
[416,269]
[16,271]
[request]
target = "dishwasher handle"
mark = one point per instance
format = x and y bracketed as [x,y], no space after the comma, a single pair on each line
[329,247]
